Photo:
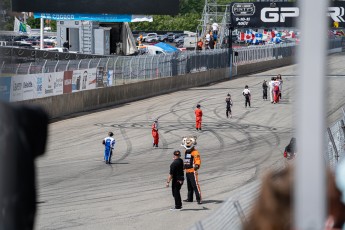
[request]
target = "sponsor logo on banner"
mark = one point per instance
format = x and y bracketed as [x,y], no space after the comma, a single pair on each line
[67,81]
[29,87]
[76,80]
[84,79]
[58,83]
[278,14]
[48,84]
[5,88]
[39,86]
[91,82]
[99,77]
[110,78]
[17,88]
[243,9]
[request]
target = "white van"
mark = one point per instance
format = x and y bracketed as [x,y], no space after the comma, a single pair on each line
[151,50]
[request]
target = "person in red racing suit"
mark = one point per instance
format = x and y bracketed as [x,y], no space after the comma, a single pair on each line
[155,134]
[198,117]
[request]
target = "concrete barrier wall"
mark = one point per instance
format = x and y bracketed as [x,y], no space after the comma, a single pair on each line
[262,66]
[67,104]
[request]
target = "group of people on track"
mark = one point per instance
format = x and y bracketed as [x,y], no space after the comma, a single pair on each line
[192,161]
[274,87]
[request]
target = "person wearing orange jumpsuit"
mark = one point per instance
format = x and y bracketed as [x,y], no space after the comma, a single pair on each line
[198,117]
[192,164]
[155,134]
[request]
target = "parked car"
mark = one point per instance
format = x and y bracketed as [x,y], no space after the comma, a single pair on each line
[20,38]
[163,38]
[170,37]
[151,37]
[179,38]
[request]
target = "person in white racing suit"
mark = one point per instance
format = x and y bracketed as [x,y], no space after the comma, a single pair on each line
[109,143]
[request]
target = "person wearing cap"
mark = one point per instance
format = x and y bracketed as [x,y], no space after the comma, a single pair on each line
[228,105]
[176,176]
[198,117]
[109,143]
[192,164]
[155,134]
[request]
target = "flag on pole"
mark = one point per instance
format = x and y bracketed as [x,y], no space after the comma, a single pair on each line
[21,27]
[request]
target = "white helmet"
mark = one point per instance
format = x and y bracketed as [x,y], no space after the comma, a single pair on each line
[188,142]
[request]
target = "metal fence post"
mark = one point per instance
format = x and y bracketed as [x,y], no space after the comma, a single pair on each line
[98,62]
[56,65]
[29,68]
[88,65]
[114,68]
[44,67]
[79,64]
[130,68]
[67,65]
[18,68]
[106,64]
[333,143]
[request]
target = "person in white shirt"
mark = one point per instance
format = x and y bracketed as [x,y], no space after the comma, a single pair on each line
[215,28]
[207,41]
[270,85]
[246,94]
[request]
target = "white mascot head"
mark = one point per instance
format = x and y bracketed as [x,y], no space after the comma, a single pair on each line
[188,142]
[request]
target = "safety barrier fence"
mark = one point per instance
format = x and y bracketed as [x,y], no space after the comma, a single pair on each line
[235,210]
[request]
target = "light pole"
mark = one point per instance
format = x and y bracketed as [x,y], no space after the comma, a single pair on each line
[230,27]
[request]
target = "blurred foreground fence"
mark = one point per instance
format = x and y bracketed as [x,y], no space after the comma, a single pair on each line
[234,211]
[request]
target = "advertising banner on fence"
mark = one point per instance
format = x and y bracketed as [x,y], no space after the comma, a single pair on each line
[48,84]
[39,85]
[77,80]
[5,88]
[29,87]
[16,88]
[91,78]
[99,77]
[58,83]
[110,78]
[67,81]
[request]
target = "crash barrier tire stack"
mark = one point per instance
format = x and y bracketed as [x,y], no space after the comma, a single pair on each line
[235,210]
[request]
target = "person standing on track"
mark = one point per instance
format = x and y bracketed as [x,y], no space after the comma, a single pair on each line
[246,94]
[228,105]
[155,134]
[271,86]
[109,143]
[264,90]
[276,86]
[176,175]
[192,164]
[280,85]
[198,117]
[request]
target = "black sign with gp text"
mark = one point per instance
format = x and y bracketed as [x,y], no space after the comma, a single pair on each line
[170,7]
[278,14]
[263,14]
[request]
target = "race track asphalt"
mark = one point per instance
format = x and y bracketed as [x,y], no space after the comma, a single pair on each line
[77,190]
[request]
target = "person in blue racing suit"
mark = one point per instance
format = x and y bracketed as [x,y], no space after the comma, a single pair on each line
[109,143]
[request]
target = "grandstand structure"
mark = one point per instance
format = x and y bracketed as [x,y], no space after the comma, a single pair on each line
[215,13]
